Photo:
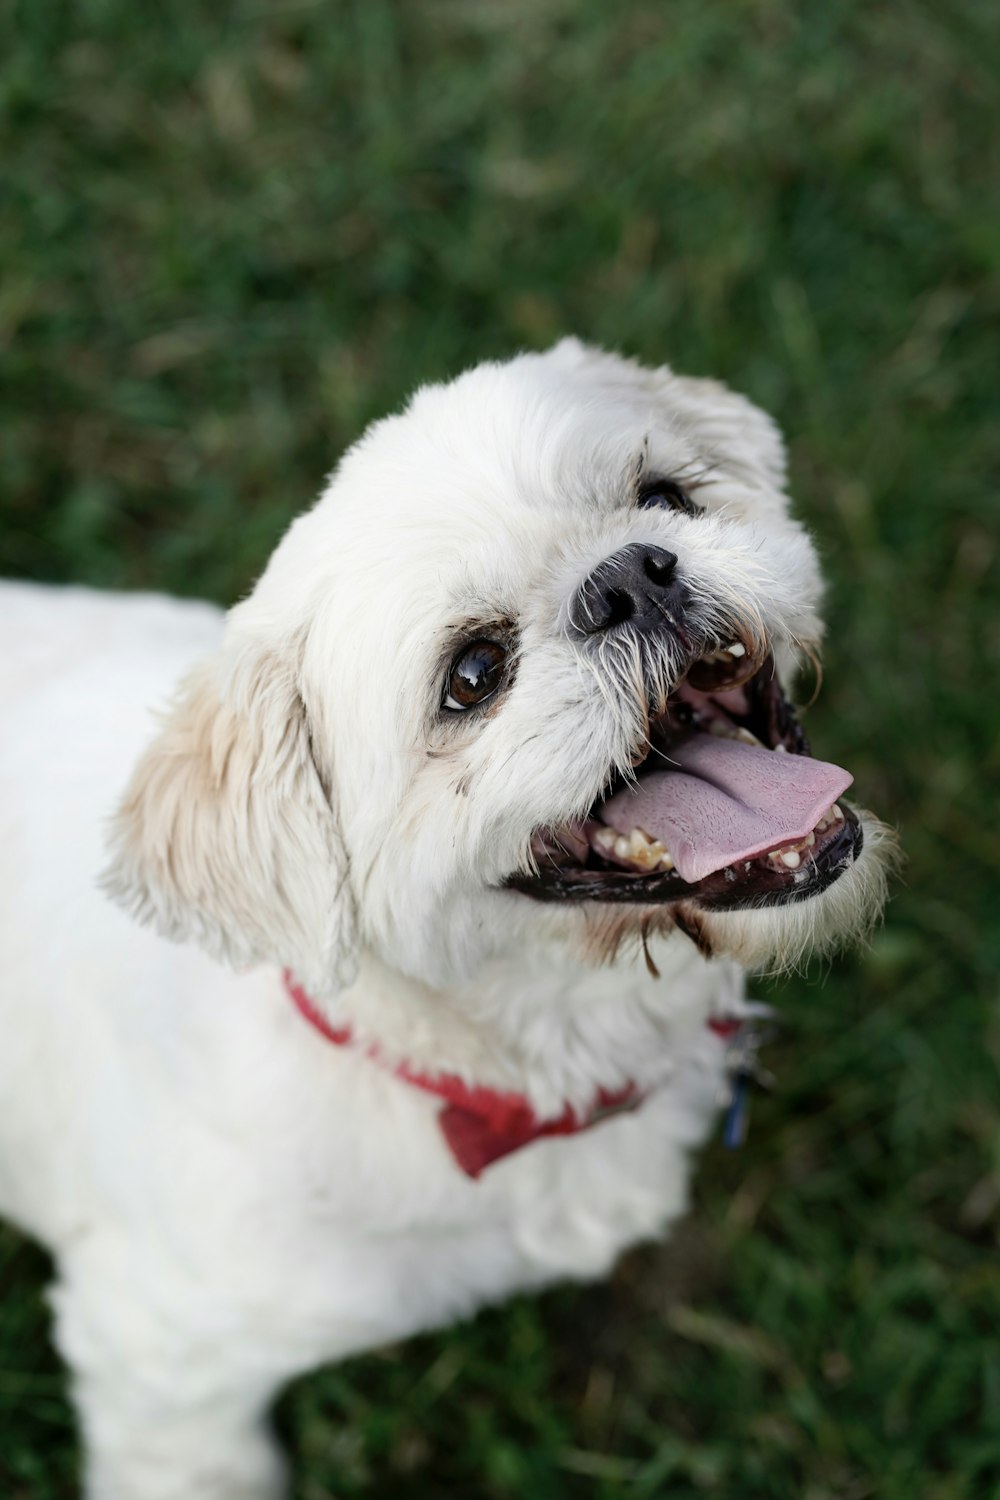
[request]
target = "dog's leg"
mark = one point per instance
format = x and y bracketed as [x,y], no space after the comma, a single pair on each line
[168,1411]
[167,1452]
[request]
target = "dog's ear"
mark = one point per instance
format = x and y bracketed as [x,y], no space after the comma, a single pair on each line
[228,834]
[729,424]
[724,422]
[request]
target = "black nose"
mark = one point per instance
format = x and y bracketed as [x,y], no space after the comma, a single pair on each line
[636,585]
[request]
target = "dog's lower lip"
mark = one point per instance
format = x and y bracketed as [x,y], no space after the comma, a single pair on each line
[759,882]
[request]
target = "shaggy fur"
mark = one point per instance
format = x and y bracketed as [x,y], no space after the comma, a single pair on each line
[231,1200]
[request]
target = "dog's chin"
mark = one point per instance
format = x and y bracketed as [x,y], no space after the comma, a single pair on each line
[774,868]
[778,938]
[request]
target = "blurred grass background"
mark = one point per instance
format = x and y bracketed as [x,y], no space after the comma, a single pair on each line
[232,233]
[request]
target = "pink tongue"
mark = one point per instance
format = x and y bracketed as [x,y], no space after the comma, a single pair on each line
[726,801]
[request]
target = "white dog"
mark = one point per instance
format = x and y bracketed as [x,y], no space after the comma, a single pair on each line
[488,792]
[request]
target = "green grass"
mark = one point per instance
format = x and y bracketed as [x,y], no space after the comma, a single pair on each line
[230,235]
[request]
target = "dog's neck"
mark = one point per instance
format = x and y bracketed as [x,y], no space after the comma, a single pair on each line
[551,1029]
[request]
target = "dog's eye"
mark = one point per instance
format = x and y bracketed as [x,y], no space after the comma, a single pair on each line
[666,494]
[475,674]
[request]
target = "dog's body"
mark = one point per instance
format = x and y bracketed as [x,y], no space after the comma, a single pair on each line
[231,1198]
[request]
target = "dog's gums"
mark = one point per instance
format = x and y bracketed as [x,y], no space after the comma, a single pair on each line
[729,695]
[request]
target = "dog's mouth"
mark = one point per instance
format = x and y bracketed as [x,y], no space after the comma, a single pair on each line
[726,807]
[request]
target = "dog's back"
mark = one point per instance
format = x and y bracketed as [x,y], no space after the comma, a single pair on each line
[79,673]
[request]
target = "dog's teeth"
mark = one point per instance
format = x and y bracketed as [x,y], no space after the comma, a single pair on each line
[635,849]
[646,852]
[724,730]
[736,649]
[832,815]
[790,855]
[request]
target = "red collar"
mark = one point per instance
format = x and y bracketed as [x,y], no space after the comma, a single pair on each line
[482,1125]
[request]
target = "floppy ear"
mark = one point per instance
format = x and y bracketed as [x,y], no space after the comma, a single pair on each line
[731,424]
[725,422]
[227,834]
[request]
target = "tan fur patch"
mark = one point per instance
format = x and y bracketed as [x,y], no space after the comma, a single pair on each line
[692,923]
[226,833]
[611,932]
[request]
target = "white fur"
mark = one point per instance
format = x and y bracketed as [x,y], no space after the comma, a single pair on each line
[229,1198]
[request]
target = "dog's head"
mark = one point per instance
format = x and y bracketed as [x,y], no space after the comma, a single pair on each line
[520,675]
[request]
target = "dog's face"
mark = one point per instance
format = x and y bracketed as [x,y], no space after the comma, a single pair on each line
[518,676]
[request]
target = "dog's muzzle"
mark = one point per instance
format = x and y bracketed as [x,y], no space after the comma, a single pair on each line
[725,806]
